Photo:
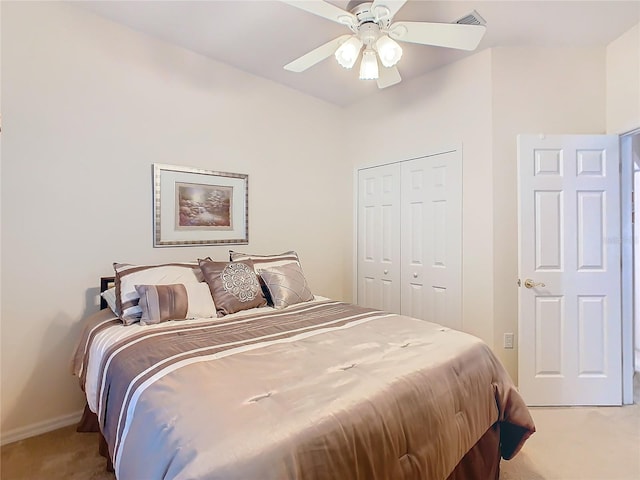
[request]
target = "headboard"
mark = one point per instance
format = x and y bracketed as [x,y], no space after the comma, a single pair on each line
[105,284]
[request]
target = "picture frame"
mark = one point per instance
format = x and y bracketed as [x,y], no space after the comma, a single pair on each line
[195,207]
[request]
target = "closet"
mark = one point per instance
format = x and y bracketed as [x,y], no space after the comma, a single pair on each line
[409,238]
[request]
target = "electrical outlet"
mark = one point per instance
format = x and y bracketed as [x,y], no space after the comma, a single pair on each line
[508,340]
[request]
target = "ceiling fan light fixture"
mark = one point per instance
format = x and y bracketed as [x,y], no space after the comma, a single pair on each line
[389,50]
[348,52]
[369,65]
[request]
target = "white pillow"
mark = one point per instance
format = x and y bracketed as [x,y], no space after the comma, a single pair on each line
[200,301]
[128,276]
[110,297]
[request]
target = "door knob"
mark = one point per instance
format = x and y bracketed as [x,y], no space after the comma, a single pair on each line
[415,275]
[531,284]
[386,271]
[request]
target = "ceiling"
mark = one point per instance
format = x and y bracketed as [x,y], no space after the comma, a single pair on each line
[259,37]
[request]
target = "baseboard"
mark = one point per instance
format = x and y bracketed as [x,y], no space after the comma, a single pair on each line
[45,426]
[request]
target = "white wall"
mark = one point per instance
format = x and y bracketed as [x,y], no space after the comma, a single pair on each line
[88,107]
[623,82]
[535,90]
[449,106]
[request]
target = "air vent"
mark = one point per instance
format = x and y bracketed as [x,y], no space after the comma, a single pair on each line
[472,18]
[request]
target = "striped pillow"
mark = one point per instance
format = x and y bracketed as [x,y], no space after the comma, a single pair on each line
[265,261]
[128,276]
[160,303]
[261,262]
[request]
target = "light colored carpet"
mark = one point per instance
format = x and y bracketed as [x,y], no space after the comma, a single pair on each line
[580,444]
[59,455]
[570,444]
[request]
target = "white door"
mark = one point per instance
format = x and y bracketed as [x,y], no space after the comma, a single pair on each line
[431,245]
[569,321]
[378,237]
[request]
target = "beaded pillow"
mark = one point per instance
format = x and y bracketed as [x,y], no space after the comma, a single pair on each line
[234,286]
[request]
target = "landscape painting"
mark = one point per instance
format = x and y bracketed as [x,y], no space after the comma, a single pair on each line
[204,206]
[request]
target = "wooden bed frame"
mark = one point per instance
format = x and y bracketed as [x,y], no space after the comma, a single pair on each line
[105,284]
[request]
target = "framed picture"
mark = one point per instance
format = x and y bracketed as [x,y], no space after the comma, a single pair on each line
[199,207]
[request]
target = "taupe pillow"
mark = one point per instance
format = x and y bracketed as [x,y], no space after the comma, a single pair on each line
[287,285]
[261,262]
[234,286]
[160,303]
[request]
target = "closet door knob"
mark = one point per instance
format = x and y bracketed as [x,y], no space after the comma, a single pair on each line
[386,271]
[415,275]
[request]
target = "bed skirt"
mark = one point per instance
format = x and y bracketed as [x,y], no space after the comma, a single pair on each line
[482,462]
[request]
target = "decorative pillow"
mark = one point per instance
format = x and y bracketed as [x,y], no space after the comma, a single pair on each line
[160,303]
[286,284]
[128,276]
[234,285]
[265,262]
[109,296]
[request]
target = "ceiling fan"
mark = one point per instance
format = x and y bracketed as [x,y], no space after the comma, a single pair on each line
[375,35]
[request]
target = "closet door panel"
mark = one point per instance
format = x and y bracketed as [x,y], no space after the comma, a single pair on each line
[431,238]
[378,265]
[415,238]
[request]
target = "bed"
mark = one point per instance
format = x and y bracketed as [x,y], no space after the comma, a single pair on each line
[318,389]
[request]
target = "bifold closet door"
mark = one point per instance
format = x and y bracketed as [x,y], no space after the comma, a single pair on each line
[431,238]
[378,275]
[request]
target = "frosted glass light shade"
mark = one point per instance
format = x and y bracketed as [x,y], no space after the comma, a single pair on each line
[348,52]
[369,65]
[389,51]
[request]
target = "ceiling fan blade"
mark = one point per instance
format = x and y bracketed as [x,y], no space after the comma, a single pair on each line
[391,5]
[316,55]
[451,35]
[388,76]
[325,10]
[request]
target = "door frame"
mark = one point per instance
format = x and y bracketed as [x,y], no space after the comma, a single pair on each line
[627,261]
